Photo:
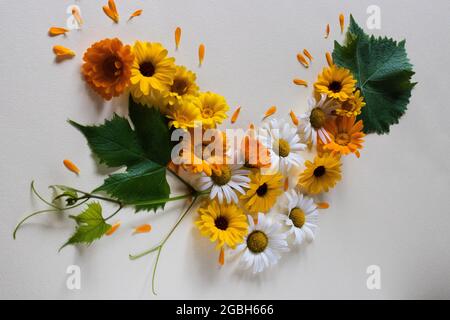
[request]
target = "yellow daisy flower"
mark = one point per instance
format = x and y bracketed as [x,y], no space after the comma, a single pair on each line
[183,85]
[320,175]
[223,223]
[351,107]
[184,115]
[336,83]
[152,71]
[263,192]
[213,108]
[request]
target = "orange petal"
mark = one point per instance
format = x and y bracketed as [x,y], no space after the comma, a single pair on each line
[145,228]
[222,256]
[294,118]
[113,229]
[286,184]
[71,166]
[56,31]
[329,59]
[341,22]
[137,13]
[302,60]
[270,111]
[322,205]
[178,37]
[327,31]
[63,52]
[201,53]
[300,82]
[77,16]
[235,115]
[306,53]
[111,11]
[251,126]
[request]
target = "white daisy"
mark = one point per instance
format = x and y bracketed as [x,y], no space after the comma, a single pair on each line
[224,183]
[263,244]
[284,145]
[312,122]
[300,215]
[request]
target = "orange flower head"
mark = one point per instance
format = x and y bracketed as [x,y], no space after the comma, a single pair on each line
[256,155]
[107,67]
[346,136]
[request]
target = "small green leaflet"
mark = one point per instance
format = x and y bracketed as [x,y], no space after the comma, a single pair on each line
[384,73]
[90,225]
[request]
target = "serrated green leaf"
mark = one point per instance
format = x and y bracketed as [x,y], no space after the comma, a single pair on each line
[114,142]
[383,72]
[90,225]
[145,181]
[152,131]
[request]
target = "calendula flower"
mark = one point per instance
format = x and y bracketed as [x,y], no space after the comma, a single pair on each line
[223,223]
[282,140]
[224,182]
[346,136]
[107,67]
[263,192]
[184,115]
[183,86]
[152,71]
[312,123]
[213,108]
[321,174]
[352,106]
[335,82]
[299,215]
[263,245]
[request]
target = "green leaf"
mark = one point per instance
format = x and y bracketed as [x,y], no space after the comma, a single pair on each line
[90,225]
[152,131]
[383,72]
[143,182]
[114,142]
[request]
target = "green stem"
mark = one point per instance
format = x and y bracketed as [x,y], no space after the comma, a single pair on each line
[33,189]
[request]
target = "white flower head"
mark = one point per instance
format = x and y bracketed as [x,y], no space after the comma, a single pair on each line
[263,244]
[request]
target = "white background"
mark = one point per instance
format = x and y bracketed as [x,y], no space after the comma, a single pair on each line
[391,209]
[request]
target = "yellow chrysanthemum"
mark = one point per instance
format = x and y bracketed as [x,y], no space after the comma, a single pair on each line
[336,83]
[320,175]
[152,71]
[183,86]
[184,115]
[263,192]
[213,108]
[223,223]
[352,106]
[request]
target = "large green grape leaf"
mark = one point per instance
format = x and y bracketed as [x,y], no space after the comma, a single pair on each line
[383,72]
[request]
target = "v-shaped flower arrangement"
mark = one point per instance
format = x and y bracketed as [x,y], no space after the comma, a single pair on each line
[258,195]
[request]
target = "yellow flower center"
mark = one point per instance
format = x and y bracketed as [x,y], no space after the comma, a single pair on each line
[221,223]
[335,86]
[317,118]
[342,139]
[262,190]
[319,171]
[257,241]
[112,67]
[283,148]
[297,217]
[147,69]
[179,86]
[207,112]
[223,178]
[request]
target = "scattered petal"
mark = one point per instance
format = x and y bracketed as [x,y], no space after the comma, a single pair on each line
[327,31]
[294,118]
[177,37]
[137,13]
[111,11]
[341,22]
[302,60]
[201,53]
[251,126]
[270,111]
[322,205]
[222,257]
[235,115]
[307,54]
[300,82]
[63,52]
[56,31]
[77,16]
[113,229]
[71,166]
[145,228]
[329,59]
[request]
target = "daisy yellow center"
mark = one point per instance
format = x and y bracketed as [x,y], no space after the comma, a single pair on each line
[112,67]
[147,69]
[335,86]
[317,118]
[319,171]
[223,178]
[297,217]
[257,241]
[283,148]
[262,190]
[207,113]
[179,86]
[221,223]
[342,139]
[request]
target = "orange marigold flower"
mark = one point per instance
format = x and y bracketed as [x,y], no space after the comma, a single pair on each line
[107,67]
[346,136]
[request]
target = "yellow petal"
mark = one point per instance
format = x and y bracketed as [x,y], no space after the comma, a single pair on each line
[300,82]
[302,60]
[113,229]
[63,52]
[145,228]
[71,166]
[327,31]
[341,22]
[270,111]
[235,115]
[322,205]
[306,53]
[137,13]
[329,59]
[177,37]
[201,53]
[56,31]
[293,118]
